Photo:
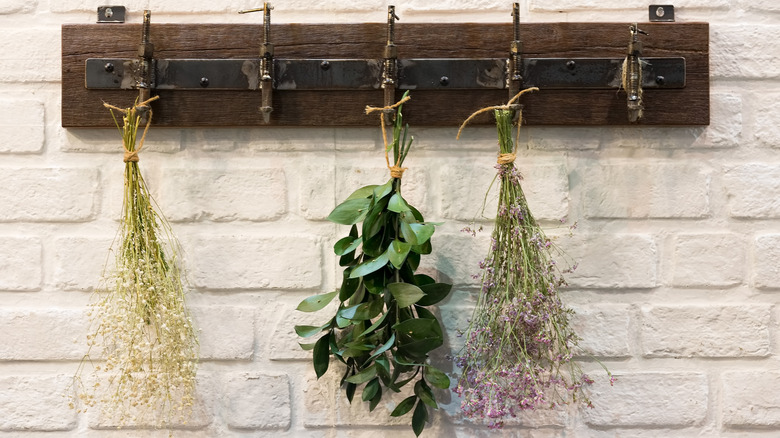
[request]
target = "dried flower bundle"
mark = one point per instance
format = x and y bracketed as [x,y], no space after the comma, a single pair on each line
[518,352]
[140,319]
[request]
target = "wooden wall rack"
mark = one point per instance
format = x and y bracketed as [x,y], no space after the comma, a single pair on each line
[210,75]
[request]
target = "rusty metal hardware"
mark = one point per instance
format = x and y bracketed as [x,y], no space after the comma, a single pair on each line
[515,63]
[145,77]
[661,13]
[390,70]
[111,14]
[266,68]
[633,74]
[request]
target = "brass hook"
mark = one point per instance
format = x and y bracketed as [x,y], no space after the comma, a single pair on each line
[632,74]
[389,76]
[266,62]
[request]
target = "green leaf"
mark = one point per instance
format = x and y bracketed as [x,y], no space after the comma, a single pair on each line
[422,280]
[375,325]
[346,245]
[434,293]
[369,266]
[417,234]
[363,192]
[321,355]
[350,212]
[363,376]
[417,337]
[307,347]
[398,204]
[383,190]
[419,418]
[348,287]
[349,389]
[385,347]
[405,294]
[307,331]
[375,400]
[375,220]
[422,390]
[425,248]
[316,302]
[405,406]
[436,377]
[397,252]
[371,389]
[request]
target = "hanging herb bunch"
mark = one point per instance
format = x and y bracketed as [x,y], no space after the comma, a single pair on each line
[142,325]
[382,331]
[519,346]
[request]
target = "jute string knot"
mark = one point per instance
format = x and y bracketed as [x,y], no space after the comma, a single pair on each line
[132,156]
[396,171]
[510,157]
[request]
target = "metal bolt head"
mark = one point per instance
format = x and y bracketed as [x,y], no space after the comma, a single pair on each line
[660,12]
[325,65]
[109,67]
[660,80]
[570,65]
[109,13]
[204,82]
[444,81]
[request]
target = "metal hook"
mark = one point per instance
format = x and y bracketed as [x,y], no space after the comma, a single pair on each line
[633,74]
[145,78]
[390,73]
[514,76]
[266,62]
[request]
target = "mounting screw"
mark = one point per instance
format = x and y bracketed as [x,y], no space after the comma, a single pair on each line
[109,67]
[109,12]
[660,80]
[444,81]
[204,82]
[325,65]
[571,65]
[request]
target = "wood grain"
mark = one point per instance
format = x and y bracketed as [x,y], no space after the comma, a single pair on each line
[686,106]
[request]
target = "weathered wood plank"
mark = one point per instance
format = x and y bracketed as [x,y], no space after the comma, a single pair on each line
[686,106]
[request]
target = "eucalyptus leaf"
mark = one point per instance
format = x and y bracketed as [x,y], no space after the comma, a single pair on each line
[350,391]
[423,391]
[376,399]
[370,266]
[434,293]
[397,252]
[363,192]
[384,347]
[436,377]
[419,418]
[371,389]
[404,407]
[375,325]
[307,347]
[383,190]
[316,302]
[351,211]
[348,287]
[321,355]
[405,294]
[398,204]
[307,331]
[363,376]
[346,245]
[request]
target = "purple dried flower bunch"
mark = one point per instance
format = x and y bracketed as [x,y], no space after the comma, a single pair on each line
[519,347]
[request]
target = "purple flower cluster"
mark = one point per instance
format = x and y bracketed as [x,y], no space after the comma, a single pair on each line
[519,346]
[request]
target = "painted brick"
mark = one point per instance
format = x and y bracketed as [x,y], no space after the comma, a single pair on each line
[43,195]
[575,5]
[766,131]
[225,332]
[546,188]
[456,257]
[17,6]
[646,190]
[316,198]
[35,403]
[20,263]
[649,400]
[21,125]
[325,405]
[708,260]
[87,6]
[706,331]
[251,262]
[258,401]
[761,5]
[605,329]
[201,416]
[751,189]
[556,138]
[79,262]
[611,261]
[355,139]
[750,399]
[43,334]
[745,52]
[766,271]
[235,194]
[283,344]
[20,45]
[109,141]
[250,140]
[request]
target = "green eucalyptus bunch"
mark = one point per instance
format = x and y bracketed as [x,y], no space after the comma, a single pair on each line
[382,331]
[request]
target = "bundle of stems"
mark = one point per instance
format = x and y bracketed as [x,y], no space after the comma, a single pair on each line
[519,346]
[142,325]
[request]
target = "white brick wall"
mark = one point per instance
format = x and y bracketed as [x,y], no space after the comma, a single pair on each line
[679,229]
